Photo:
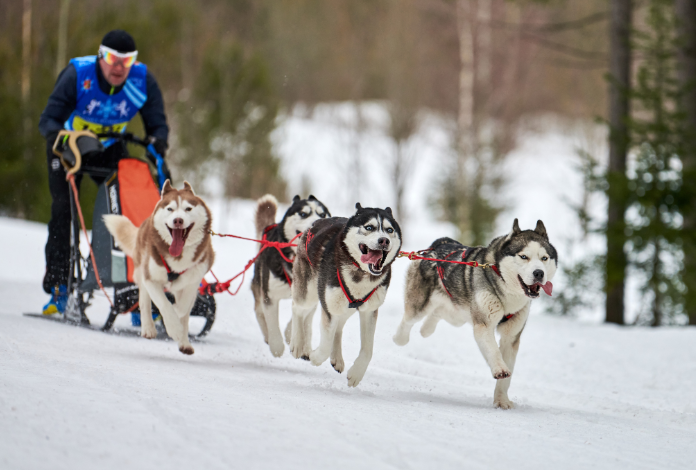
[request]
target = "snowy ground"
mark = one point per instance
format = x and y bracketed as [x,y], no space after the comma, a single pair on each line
[587,394]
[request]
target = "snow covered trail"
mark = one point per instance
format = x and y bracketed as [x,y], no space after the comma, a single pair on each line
[587,395]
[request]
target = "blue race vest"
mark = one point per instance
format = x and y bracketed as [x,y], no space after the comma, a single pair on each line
[100,112]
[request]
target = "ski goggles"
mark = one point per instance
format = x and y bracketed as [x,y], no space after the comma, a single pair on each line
[113,57]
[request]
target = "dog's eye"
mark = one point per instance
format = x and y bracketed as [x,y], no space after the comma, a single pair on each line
[369,228]
[321,214]
[523,256]
[544,258]
[170,209]
[304,215]
[390,230]
[189,209]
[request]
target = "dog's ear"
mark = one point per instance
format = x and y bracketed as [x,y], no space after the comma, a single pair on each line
[166,187]
[296,198]
[389,211]
[357,206]
[516,227]
[188,187]
[541,230]
[311,197]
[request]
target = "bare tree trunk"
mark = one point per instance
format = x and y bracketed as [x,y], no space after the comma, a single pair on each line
[686,14]
[465,119]
[655,286]
[356,153]
[483,45]
[620,69]
[26,77]
[61,56]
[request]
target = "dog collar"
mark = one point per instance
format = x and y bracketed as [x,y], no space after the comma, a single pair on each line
[353,303]
[171,275]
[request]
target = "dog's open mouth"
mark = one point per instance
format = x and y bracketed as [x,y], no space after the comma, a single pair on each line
[373,258]
[533,290]
[179,236]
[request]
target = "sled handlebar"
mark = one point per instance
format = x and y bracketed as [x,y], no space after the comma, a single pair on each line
[146,143]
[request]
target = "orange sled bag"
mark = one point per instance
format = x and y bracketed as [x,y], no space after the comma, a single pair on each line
[129,191]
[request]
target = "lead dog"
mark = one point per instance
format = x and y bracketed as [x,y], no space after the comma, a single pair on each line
[171,250]
[272,273]
[344,264]
[500,297]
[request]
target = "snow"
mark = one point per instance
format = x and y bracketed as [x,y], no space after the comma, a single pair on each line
[587,394]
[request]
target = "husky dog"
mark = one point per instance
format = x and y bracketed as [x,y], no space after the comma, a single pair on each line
[272,273]
[345,264]
[171,250]
[521,263]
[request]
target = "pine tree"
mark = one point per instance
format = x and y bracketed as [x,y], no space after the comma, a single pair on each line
[654,216]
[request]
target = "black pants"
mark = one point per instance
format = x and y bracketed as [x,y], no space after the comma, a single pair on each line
[58,243]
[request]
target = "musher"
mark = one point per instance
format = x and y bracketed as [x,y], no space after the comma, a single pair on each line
[101,93]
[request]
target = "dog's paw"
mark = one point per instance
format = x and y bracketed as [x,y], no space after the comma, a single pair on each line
[186,349]
[277,348]
[400,340]
[148,331]
[501,373]
[338,364]
[503,403]
[316,358]
[355,375]
[297,352]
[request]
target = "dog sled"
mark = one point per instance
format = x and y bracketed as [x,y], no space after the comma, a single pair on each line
[130,190]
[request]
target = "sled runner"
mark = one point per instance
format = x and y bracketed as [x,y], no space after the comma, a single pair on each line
[130,191]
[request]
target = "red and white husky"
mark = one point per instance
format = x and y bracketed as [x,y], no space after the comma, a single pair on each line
[171,250]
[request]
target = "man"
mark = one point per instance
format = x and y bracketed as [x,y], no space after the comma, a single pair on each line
[100,93]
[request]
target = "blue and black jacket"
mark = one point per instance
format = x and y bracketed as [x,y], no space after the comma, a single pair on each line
[82,98]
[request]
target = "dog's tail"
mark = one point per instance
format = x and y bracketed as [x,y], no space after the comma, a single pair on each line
[266,208]
[123,231]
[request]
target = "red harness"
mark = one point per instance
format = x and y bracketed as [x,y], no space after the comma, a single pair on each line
[171,275]
[351,302]
[217,286]
[308,239]
[265,232]
[441,274]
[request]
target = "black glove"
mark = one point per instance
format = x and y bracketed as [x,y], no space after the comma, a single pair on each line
[160,146]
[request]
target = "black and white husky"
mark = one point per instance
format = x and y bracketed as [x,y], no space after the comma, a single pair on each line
[521,263]
[272,272]
[344,264]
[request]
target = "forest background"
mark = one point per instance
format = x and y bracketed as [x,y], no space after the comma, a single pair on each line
[230,70]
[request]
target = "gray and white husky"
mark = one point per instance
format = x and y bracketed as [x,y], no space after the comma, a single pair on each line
[521,263]
[344,264]
[272,273]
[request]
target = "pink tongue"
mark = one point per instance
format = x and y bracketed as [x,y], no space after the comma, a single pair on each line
[177,245]
[548,287]
[372,257]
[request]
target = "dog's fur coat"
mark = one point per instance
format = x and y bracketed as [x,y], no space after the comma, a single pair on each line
[526,261]
[361,249]
[272,274]
[178,233]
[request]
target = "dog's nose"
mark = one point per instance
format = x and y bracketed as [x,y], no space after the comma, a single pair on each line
[178,222]
[538,275]
[383,242]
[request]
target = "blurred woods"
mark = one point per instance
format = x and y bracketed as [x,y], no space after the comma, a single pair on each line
[649,180]
[230,70]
